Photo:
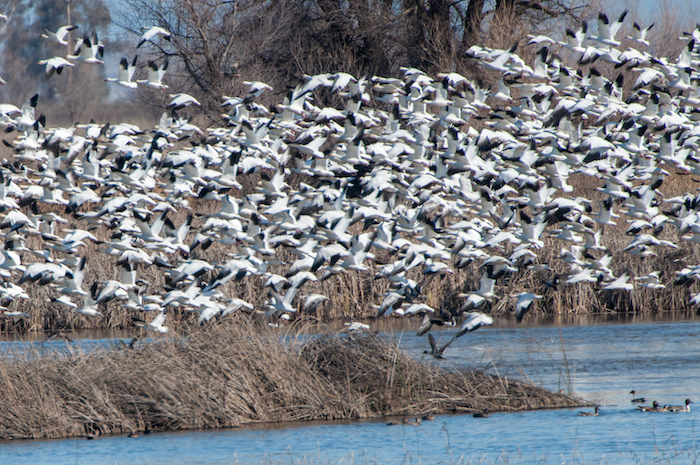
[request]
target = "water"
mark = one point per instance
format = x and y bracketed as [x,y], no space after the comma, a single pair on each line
[599,363]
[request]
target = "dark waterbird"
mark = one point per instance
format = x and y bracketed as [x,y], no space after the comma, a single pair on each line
[637,400]
[679,408]
[655,407]
[594,413]
[436,351]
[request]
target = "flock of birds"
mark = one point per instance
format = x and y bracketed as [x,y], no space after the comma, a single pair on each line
[90,50]
[655,407]
[427,174]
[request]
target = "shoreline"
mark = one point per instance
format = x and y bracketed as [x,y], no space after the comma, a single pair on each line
[385,325]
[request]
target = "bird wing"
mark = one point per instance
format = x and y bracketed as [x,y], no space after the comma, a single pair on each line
[158,320]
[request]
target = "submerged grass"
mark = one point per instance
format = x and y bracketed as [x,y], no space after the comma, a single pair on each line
[232,375]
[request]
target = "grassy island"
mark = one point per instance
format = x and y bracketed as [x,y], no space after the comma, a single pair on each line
[232,375]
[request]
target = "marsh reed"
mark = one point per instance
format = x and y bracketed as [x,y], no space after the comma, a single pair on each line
[236,374]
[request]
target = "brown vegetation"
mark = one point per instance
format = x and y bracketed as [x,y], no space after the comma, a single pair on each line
[234,375]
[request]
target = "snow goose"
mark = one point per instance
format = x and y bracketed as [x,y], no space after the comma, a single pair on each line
[89,307]
[620,283]
[88,50]
[650,281]
[441,318]
[28,117]
[607,31]
[640,35]
[523,304]
[55,64]
[65,301]
[574,39]
[13,292]
[16,315]
[312,302]
[234,305]
[60,35]
[73,282]
[472,322]
[484,293]
[152,32]
[182,100]
[112,290]
[255,90]
[44,273]
[499,61]
[154,326]
[155,75]
[126,73]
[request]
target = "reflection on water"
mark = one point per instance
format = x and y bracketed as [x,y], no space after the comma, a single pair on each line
[600,363]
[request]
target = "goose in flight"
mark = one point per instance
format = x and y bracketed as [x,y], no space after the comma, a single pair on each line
[55,64]
[65,301]
[182,100]
[16,315]
[574,39]
[126,73]
[639,34]
[441,318]
[151,33]
[525,300]
[485,291]
[234,305]
[312,302]
[155,75]
[89,307]
[28,116]
[473,321]
[356,326]
[607,31]
[650,281]
[73,282]
[60,35]
[620,283]
[88,50]
[155,326]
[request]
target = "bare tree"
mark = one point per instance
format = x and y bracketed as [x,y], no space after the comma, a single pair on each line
[215,43]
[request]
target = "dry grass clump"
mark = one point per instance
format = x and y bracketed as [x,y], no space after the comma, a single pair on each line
[232,375]
[389,381]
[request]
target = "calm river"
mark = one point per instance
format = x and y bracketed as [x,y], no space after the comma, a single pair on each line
[601,363]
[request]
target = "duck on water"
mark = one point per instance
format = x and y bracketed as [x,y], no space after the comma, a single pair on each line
[594,413]
[680,408]
[637,400]
[656,407]
[405,421]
